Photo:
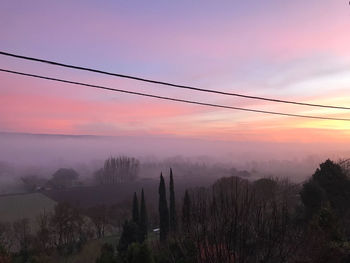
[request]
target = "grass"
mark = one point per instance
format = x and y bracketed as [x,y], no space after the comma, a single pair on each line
[19,206]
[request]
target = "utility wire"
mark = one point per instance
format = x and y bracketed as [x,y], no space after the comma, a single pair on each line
[170,98]
[171,84]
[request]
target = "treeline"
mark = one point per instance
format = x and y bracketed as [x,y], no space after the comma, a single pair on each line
[118,170]
[64,231]
[235,220]
[61,179]
[115,170]
[268,220]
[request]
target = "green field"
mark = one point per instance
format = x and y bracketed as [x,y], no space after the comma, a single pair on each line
[15,207]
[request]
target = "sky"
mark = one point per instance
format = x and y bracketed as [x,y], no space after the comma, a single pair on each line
[290,50]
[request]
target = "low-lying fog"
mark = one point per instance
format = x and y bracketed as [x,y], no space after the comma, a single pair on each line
[24,154]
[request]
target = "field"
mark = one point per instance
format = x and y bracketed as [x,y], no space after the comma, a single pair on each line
[19,206]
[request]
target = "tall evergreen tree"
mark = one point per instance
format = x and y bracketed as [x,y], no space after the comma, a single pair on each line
[163,210]
[186,212]
[172,206]
[135,209]
[143,218]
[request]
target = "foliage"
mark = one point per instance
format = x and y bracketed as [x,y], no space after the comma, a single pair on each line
[330,184]
[135,209]
[107,254]
[163,210]
[313,197]
[139,253]
[143,225]
[129,235]
[68,224]
[100,217]
[172,205]
[186,212]
[63,178]
[234,220]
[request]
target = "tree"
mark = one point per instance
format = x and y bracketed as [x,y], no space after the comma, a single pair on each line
[63,178]
[107,254]
[118,170]
[139,253]
[44,233]
[6,236]
[33,182]
[313,197]
[21,229]
[99,217]
[129,236]
[163,210]
[172,206]
[5,256]
[135,209]
[332,178]
[330,184]
[186,211]
[68,226]
[143,219]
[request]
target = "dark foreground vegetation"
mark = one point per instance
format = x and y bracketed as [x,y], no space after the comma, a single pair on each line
[234,220]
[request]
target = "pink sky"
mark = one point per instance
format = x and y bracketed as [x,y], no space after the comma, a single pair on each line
[294,51]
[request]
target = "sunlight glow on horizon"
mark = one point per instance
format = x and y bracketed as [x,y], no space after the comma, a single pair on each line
[297,52]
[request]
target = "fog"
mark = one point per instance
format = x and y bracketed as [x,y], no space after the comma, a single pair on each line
[22,154]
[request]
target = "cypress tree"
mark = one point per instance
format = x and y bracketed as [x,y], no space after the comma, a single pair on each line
[172,206]
[143,218]
[186,212]
[135,210]
[163,210]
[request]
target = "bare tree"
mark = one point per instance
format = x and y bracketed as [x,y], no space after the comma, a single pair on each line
[68,226]
[100,218]
[233,222]
[44,237]
[22,234]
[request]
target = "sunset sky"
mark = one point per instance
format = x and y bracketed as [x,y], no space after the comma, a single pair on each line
[291,50]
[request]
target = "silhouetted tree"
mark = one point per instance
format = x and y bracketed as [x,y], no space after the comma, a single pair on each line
[163,210]
[107,254]
[118,170]
[100,218]
[230,223]
[143,219]
[22,234]
[186,211]
[6,236]
[63,178]
[172,205]
[129,235]
[44,238]
[135,209]
[67,223]
[332,178]
[313,197]
[330,184]
[139,253]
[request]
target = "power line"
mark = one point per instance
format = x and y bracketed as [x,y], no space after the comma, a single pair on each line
[170,98]
[171,84]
